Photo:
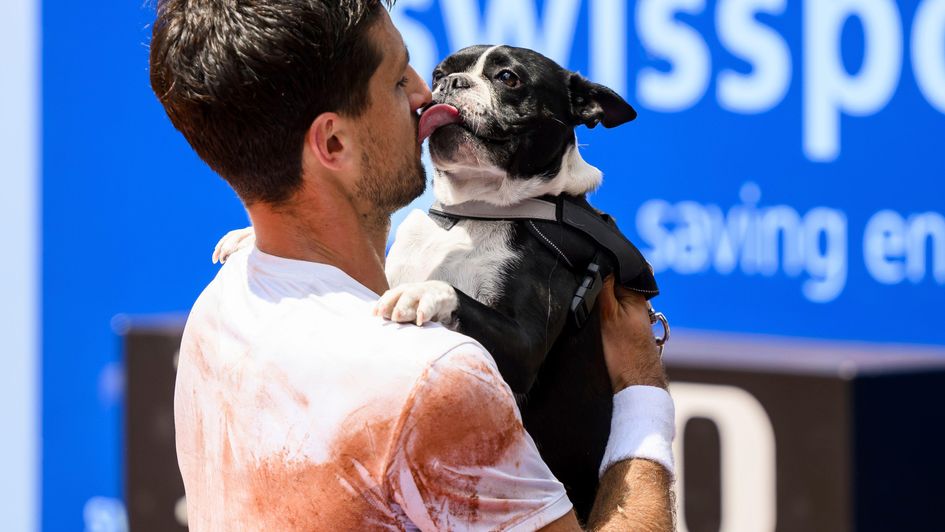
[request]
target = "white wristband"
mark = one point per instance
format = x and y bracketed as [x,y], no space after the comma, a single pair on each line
[643,425]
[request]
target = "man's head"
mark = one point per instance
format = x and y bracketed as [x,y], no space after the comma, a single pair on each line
[268,92]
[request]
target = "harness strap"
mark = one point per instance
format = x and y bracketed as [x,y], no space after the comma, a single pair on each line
[530,209]
[633,271]
[630,261]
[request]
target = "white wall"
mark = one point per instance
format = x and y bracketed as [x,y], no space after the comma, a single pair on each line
[19,264]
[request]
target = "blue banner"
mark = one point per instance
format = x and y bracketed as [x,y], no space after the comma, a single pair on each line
[786,173]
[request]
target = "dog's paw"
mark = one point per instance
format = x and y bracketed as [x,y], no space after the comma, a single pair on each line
[232,242]
[418,302]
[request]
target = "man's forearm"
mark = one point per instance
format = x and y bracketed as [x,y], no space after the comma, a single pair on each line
[634,495]
[637,470]
[635,491]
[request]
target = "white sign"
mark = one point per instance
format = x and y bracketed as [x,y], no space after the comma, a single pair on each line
[746,440]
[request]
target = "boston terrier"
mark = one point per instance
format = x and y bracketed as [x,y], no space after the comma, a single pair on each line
[501,130]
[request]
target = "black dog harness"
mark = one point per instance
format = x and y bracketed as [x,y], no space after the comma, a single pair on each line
[577,233]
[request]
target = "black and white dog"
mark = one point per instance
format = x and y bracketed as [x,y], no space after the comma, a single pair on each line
[502,133]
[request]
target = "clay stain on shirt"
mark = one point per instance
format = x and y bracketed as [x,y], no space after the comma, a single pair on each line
[291,493]
[466,421]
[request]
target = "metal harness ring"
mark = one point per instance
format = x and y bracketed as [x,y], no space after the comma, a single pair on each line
[661,318]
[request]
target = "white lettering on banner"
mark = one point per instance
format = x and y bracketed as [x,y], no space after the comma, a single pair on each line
[513,22]
[424,55]
[748,454]
[884,246]
[894,248]
[608,43]
[691,238]
[829,89]
[928,51]
[105,514]
[758,45]
[679,44]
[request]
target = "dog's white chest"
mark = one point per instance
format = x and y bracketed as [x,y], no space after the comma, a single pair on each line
[473,256]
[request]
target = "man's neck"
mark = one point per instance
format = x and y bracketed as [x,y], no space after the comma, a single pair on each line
[328,230]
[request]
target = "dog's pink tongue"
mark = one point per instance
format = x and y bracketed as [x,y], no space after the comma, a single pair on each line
[435,117]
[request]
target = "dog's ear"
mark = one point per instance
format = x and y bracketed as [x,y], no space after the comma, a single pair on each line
[592,103]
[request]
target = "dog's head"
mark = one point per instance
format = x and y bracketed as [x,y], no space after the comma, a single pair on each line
[502,122]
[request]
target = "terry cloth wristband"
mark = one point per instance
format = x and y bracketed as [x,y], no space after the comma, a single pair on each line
[643,425]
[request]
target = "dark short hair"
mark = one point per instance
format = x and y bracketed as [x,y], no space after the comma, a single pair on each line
[244,79]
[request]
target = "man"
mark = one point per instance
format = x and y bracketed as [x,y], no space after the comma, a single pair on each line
[296,408]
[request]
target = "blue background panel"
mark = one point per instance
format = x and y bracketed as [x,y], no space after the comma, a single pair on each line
[129,219]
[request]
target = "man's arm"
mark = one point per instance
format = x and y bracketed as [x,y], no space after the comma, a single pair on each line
[462,458]
[634,494]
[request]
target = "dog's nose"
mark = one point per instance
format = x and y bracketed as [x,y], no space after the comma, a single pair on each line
[456,82]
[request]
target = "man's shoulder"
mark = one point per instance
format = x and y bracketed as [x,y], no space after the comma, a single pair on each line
[327,322]
[411,351]
[431,341]
[233,270]
[320,326]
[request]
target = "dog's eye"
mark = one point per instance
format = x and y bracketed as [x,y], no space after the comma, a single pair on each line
[437,76]
[509,78]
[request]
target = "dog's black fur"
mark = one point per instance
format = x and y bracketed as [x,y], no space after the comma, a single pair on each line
[556,368]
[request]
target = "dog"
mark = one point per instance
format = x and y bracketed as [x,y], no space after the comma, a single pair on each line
[502,132]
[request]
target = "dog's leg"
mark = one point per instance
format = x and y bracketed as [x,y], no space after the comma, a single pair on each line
[418,303]
[232,242]
[518,331]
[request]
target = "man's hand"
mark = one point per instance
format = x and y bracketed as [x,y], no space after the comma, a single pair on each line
[629,346]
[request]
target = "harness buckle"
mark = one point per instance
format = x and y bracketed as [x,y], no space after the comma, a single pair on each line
[586,295]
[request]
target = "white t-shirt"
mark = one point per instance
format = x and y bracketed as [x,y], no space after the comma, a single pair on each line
[296,409]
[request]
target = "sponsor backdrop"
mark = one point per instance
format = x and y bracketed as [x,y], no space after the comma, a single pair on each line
[784,177]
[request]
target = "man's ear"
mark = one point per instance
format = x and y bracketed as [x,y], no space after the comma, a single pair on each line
[592,103]
[328,140]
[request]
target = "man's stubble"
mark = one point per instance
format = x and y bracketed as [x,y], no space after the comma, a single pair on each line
[387,184]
